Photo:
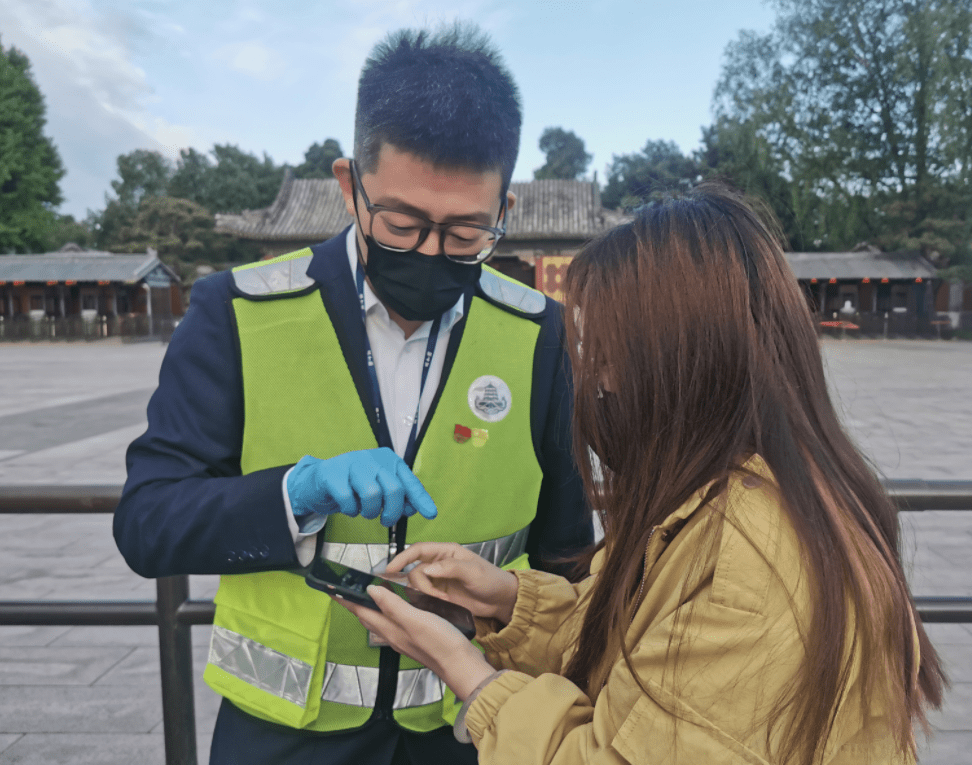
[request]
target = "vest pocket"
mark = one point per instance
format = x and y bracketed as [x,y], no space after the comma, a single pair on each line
[267,649]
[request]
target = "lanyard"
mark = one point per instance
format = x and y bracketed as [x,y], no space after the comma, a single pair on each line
[373,375]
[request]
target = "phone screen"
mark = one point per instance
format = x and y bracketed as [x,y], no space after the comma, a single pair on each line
[350,583]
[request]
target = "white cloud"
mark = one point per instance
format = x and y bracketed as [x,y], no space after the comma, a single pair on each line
[97,97]
[84,50]
[252,58]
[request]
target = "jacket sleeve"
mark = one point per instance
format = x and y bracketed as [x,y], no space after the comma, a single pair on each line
[740,650]
[541,627]
[563,525]
[185,507]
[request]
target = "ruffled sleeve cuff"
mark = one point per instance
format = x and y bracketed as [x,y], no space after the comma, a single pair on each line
[484,707]
[515,633]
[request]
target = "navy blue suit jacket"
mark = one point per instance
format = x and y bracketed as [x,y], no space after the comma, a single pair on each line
[187,509]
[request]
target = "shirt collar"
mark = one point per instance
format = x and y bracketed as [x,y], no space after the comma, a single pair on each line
[373,304]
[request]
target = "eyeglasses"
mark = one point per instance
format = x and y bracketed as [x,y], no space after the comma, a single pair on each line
[399,231]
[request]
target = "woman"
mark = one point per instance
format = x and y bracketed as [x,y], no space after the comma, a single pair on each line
[747,602]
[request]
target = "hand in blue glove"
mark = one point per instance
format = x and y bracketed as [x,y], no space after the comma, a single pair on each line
[372,483]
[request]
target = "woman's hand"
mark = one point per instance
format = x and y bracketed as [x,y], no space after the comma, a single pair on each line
[425,637]
[451,572]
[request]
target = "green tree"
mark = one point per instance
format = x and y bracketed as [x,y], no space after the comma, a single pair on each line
[193,177]
[142,174]
[861,104]
[66,229]
[633,179]
[182,232]
[175,228]
[30,166]
[147,210]
[232,181]
[241,181]
[567,157]
[318,160]
[736,152]
[943,235]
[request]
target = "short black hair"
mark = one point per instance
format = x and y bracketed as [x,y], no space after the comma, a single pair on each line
[445,96]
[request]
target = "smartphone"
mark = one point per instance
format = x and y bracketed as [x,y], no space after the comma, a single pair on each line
[351,584]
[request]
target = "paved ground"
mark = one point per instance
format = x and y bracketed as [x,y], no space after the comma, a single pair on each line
[91,694]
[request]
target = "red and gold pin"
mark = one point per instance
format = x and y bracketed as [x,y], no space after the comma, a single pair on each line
[479,436]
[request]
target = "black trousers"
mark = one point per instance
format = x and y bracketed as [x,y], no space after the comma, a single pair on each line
[241,739]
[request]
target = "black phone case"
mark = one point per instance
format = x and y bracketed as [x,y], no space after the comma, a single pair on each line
[351,584]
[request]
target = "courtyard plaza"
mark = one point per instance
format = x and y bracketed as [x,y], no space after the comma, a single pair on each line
[91,694]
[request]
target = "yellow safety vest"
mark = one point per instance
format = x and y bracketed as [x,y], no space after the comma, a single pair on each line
[279,651]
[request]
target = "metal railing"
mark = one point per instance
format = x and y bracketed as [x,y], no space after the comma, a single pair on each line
[75,328]
[174,613]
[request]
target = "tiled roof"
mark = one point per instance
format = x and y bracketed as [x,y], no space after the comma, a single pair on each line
[860,265]
[553,209]
[313,209]
[305,209]
[79,265]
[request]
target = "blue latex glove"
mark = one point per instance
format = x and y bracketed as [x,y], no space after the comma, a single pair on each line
[370,483]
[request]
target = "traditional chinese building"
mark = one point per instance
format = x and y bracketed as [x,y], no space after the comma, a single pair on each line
[89,284]
[894,293]
[549,223]
[865,282]
[870,291]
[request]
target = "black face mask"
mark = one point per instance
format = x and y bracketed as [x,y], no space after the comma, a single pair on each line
[415,286]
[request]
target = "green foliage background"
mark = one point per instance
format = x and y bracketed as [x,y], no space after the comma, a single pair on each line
[567,157]
[30,167]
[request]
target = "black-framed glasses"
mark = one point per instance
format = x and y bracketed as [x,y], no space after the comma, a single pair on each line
[468,243]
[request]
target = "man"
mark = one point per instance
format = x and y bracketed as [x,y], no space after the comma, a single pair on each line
[375,390]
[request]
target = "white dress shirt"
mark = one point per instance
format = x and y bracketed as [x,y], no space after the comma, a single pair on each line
[398,366]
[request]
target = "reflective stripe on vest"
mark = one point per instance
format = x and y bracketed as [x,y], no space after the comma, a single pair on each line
[283,676]
[288,678]
[365,557]
[358,686]
[287,274]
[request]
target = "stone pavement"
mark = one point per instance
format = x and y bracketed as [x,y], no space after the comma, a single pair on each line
[91,694]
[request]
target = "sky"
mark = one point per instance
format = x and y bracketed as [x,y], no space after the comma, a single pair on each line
[277,76]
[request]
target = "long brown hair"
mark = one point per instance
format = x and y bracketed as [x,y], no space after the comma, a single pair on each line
[692,315]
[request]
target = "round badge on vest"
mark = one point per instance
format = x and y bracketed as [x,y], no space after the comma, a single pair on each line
[490,398]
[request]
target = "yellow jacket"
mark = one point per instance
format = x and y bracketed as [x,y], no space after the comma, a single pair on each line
[742,651]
